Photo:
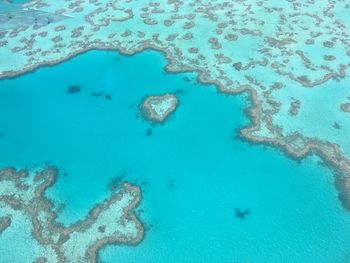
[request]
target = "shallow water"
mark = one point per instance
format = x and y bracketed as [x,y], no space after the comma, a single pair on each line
[193,170]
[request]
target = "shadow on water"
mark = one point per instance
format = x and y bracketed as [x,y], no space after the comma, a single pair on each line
[74,89]
[241,214]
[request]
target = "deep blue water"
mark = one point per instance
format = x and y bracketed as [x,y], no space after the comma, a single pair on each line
[193,170]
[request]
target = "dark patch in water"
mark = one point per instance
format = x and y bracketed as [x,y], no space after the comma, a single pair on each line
[74,89]
[238,66]
[241,214]
[148,226]
[171,185]
[116,182]
[1,135]
[102,229]
[149,132]
[336,126]
[101,93]
[187,79]
[178,92]
[97,94]
[140,211]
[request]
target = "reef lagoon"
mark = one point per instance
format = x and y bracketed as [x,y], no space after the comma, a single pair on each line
[207,195]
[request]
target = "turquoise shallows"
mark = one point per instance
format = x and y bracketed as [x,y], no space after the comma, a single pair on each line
[193,170]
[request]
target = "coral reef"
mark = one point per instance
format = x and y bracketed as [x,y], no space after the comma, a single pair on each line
[274,50]
[22,193]
[158,108]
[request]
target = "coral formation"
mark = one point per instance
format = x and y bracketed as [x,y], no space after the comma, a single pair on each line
[274,50]
[158,108]
[22,193]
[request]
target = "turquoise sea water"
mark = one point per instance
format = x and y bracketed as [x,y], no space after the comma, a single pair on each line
[193,170]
